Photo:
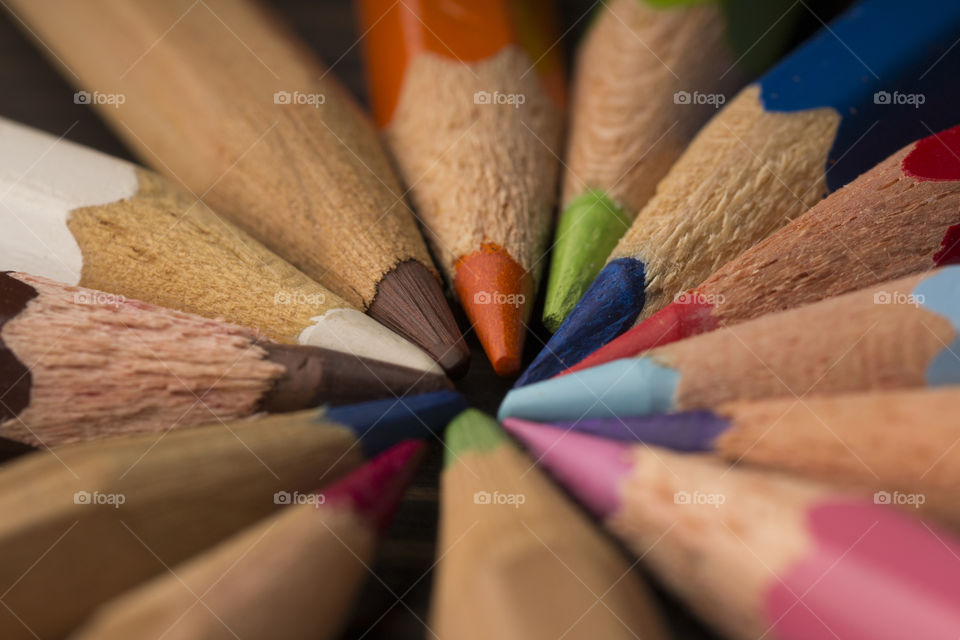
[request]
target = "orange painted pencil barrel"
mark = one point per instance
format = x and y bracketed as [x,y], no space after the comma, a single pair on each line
[469,97]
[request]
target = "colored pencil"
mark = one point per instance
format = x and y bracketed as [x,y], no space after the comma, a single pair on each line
[385,420]
[832,109]
[469,96]
[79,216]
[79,363]
[648,75]
[312,556]
[900,442]
[517,559]
[759,554]
[899,218]
[65,531]
[900,334]
[226,100]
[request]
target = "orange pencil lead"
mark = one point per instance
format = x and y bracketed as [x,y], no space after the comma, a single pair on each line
[496,293]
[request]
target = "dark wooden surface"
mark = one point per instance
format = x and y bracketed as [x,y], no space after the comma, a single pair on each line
[395,601]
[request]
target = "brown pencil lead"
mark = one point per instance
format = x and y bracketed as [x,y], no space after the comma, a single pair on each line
[14,376]
[316,376]
[410,301]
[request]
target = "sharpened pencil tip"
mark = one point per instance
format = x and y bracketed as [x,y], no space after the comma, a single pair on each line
[380,424]
[592,468]
[689,315]
[315,376]
[472,431]
[628,387]
[608,308]
[688,431]
[374,490]
[410,301]
[496,293]
[587,232]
